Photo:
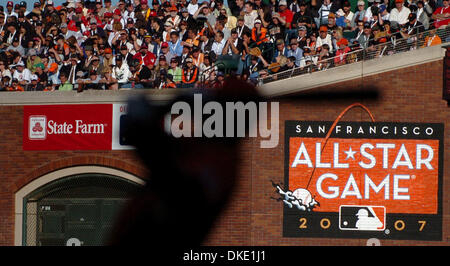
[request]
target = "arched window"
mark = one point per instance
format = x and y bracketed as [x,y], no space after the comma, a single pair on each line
[74,209]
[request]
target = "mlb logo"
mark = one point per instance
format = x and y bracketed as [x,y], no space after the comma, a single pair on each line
[362,218]
[37,127]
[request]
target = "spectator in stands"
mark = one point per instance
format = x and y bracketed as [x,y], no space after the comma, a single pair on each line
[206,67]
[399,14]
[411,29]
[16,46]
[307,55]
[4,72]
[121,72]
[5,83]
[365,39]
[290,64]
[327,7]
[331,25]
[324,38]
[303,17]
[432,38]
[359,14]
[259,34]
[15,86]
[372,11]
[276,27]
[204,12]
[383,13]
[193,6]
[256,65]
[218,44]
[336,36]
[344,16]
[189,74]
[175,45]
[35,84]
[65,84]
[250,15]
[341,53]
[93,82]
[442,15]
[295,51]
[165,51]
[160,70]
[323,61]
[22,74]
[220,81]
[424,13]
[167,82]
[287,15]
[359,30]
[241,28]
[175,71]
[302,38]
[144,56]
[233,47]
[375,18]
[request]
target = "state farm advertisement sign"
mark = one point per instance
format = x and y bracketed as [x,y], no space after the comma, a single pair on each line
[68,127]
[367,180]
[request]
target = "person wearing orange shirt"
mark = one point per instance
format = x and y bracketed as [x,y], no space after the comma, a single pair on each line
[259,33]
[432,38]
[189,74]
[15,86]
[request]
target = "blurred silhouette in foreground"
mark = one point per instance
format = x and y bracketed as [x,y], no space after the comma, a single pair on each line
[191,178]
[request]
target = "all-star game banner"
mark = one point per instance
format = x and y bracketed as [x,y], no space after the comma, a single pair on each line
[369,180]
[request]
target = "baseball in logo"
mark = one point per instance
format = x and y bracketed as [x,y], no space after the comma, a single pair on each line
[362,180]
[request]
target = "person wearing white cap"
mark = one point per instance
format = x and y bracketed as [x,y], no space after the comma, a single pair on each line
[359,13]
[35,85]
[250,15]
[22,74]
[259,33]
[168,28]
[285,14]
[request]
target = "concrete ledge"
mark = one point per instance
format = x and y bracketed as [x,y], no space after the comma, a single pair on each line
[353,71]
[89,96]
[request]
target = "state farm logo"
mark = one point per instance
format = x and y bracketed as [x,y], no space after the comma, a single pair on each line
[37,127]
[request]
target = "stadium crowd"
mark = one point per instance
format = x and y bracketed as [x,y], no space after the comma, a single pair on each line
[94,44]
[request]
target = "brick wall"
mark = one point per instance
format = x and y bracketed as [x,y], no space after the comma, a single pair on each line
[412,94]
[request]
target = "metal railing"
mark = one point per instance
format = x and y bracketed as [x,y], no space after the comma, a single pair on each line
[392,46]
